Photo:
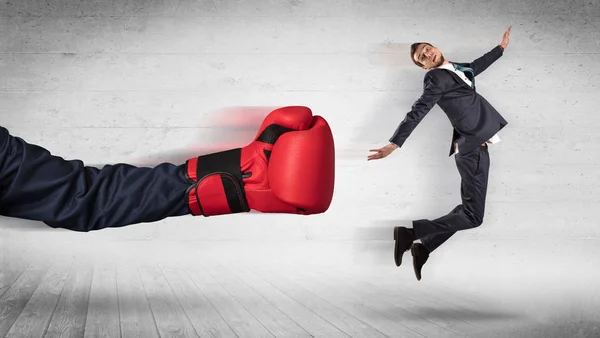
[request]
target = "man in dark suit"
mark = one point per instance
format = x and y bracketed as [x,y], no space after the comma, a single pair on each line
[476,123]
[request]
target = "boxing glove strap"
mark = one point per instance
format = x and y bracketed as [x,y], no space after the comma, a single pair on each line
[271,133]
[218,187]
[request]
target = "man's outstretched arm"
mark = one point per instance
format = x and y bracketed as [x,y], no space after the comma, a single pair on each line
[432,92]
[482,63]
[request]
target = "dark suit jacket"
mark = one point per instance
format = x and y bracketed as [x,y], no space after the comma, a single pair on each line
[474,119]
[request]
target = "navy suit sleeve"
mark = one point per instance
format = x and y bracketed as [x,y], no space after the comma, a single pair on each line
[432,92]
[36,185]
[482,63]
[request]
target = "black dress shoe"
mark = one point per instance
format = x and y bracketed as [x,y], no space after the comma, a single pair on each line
[403,239]
[420,255]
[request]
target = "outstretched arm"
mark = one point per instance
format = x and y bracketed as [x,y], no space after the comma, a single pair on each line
[432,92]
[431,95]
[36,185]
[482,63]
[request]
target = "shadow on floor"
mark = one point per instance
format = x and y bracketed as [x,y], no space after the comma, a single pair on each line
[467,315]
[557,328]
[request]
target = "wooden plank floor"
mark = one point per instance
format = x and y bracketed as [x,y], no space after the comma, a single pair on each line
[224,299]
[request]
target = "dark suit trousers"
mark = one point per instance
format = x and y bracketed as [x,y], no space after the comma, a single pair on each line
[473,168]
[36,185]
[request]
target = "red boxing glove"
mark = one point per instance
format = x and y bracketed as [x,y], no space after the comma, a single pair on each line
[288,168]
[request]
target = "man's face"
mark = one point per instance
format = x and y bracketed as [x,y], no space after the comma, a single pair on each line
[429,56]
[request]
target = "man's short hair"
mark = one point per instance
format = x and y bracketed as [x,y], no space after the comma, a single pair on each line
[413,49]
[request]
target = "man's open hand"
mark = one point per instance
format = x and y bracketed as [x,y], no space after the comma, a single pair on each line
[504,42]
[382,152]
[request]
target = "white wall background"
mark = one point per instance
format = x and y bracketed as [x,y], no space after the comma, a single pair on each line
[148,81]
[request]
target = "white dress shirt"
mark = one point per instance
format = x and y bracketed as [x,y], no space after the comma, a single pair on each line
[450,67]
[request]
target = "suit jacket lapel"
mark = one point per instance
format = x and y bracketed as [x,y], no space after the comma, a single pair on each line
[468,71]
[458,79]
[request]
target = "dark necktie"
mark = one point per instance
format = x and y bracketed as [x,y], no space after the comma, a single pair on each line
[464,70]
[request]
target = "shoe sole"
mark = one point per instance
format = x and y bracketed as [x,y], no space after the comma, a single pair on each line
[397,260]
[398,257]
[413,252]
